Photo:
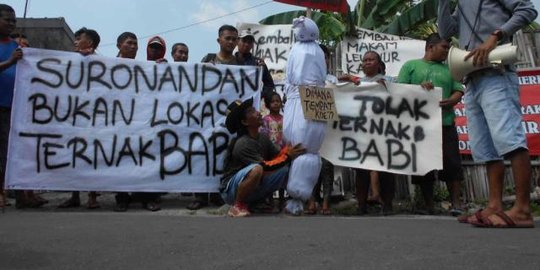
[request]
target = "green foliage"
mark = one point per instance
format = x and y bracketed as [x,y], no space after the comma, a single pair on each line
[332,28]
[535,209]
[412,18]
[509,191]
[398,17]
[331,25]
[441,194]
[383,12]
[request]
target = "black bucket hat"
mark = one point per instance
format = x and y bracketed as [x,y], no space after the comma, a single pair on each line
[235,114]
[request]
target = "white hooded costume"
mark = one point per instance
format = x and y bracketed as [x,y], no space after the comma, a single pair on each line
[305,66]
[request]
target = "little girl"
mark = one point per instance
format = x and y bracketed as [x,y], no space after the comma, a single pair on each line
[273,128]
[273,122]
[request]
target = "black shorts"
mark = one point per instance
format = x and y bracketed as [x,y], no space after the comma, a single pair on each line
[452,169]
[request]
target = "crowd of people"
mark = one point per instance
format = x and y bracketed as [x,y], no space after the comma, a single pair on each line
[280,152]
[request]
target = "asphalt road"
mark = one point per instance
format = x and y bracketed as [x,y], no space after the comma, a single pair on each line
[179,239]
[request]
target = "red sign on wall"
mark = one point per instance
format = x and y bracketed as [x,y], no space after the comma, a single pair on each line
[529,83]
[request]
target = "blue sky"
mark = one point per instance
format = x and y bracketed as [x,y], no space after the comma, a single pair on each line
[145,18]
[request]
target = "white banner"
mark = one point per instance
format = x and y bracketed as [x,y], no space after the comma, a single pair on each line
[394,51]
[272,43]
[112,124]
[398,129]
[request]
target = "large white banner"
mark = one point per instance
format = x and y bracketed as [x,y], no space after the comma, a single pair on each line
[396,129]
[112,124]
[394,51]
[272,43]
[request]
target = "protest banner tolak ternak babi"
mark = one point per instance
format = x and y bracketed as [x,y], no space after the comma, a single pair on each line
[394,50]
[113,124]
[397,128]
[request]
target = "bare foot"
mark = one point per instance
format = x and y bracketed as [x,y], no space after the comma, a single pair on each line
[312,208]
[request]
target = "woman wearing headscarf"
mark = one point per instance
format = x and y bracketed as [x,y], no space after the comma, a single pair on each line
[305,67]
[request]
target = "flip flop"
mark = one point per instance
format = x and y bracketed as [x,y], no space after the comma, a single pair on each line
[196,205]
[509,223]
[465,218]
[312,209]
[152,206]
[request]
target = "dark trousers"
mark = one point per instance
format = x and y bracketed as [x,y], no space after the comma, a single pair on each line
[326,180]
[387,185]
[5,120]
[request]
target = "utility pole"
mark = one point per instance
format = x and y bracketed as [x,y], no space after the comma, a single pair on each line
[25,8]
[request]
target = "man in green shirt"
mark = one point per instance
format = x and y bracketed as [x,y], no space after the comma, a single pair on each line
[430,71]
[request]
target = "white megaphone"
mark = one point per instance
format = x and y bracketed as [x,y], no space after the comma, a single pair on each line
[502,55]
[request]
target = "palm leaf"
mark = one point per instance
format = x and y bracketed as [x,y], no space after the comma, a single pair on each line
[411,18]
[331,26]
[383,11]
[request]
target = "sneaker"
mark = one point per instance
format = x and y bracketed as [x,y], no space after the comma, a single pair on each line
[239,210]
[456,212]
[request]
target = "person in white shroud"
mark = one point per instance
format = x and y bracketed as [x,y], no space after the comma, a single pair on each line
[305,67]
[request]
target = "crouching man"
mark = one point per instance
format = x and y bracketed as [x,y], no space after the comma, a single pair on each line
[254,167]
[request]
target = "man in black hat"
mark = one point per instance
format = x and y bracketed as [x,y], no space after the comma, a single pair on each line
[254,167]
[245,57]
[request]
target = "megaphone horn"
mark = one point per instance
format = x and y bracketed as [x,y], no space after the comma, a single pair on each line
[459,68]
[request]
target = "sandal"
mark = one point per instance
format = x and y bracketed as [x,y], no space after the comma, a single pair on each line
[152,206]
[465,218]
[196,205]
[485,222]
[312,208]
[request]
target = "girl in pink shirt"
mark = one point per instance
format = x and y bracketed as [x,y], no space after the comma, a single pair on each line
[273,122]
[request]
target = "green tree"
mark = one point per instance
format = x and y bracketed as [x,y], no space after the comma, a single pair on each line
[332,26]
[398,17]
[412,18]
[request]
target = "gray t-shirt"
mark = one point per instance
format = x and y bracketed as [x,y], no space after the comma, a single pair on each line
[485,16]
[247,150]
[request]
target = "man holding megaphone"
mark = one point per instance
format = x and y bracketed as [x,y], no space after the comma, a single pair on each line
[492,101]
